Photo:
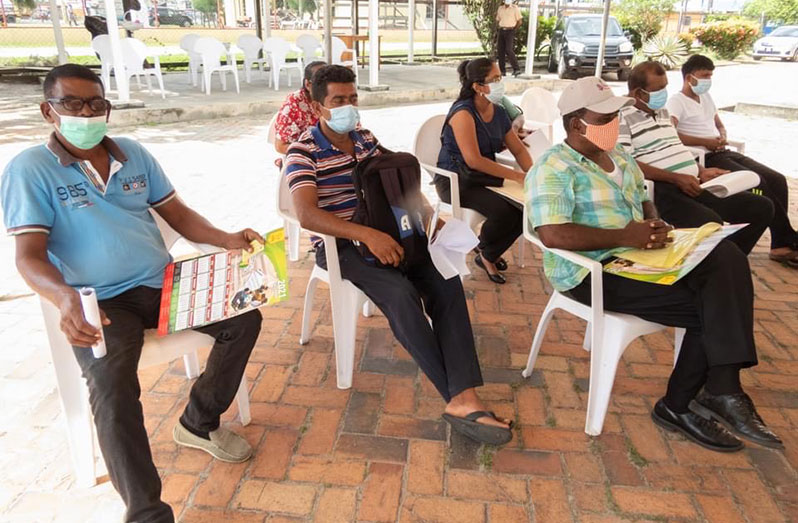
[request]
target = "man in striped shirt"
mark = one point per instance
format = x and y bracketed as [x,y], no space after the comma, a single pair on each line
[646,132]
[319,169]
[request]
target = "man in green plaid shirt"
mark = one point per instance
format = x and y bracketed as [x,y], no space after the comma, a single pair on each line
[587,195]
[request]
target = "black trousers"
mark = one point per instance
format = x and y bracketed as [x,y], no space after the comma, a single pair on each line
[114,393]
[682,210]
[503,219]
[714,303]
[444,350]
[773,187]
[505,46]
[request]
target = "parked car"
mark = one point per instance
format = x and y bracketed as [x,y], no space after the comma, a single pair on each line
[782,43]
[575,47]
[167,16]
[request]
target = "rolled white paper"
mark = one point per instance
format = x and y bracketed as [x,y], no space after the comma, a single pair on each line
[91,311]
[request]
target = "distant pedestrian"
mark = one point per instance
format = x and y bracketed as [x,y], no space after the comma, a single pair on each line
[509,19]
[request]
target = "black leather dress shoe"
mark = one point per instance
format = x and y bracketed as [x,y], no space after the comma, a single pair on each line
[501,264]
[495,278]
[706,432]
[737,413]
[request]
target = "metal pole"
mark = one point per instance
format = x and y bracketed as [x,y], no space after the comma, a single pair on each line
[434,28]
[603,43]
[268,18]
[122,87]
[55,14]
[328,30]
[532,37]
[411,22]
[258,19]
[374,43]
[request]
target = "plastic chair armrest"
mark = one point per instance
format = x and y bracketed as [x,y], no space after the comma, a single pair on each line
[204,248]
[454,187]
[737,144]
[698,153]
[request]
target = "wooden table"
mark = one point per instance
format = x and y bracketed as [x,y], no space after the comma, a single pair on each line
[354,41]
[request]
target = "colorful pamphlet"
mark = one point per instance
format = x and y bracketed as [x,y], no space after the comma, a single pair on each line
[212,287]
[669,265]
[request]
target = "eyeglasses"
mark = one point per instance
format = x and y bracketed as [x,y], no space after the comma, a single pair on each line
[489,81]
[74,104]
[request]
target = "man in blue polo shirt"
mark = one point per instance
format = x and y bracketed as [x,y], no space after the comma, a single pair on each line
[79,209]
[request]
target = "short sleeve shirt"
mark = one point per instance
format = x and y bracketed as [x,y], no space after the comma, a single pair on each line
[695,119]
[312,161]
[294,117]
[508,16]
[100,235]
[565,187]
[652,139]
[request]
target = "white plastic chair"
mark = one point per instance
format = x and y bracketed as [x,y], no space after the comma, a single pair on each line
[606,337]
[700,154]
[101,44]
[338,50]
[310,46]
[187,44]
[156,350]
[134,52]
[211,51]
[251,45]
[426,146]
[292,228]
[540,110]
[346,300]
[277,50]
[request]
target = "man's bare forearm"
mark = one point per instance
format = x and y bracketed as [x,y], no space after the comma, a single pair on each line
[574,237]
[319,221]
[44,278]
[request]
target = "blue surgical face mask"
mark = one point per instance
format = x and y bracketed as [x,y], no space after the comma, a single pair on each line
[702,86]
[496,92]
[343,119]
[657,99]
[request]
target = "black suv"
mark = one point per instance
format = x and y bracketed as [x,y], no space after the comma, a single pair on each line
[167,16]
[575,47]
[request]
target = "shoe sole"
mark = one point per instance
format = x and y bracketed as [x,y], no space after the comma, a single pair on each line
[200,447]
[670,427]
[709,414]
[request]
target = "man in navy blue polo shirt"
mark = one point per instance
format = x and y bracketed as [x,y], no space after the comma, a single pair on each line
[79,209]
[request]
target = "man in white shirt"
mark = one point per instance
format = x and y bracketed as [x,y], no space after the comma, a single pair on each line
[697,121]
[509,19]
[646,132]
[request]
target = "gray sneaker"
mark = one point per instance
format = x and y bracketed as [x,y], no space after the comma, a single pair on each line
[224,445]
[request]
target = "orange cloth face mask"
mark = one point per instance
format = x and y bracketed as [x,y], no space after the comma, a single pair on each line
[603,136]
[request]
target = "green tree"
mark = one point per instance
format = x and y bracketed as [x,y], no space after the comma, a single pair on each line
[643,18]
[482,14]
[784,11]
[27,5]
[205,6]
[543,32]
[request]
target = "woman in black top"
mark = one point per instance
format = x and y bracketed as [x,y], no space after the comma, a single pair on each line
[477,128]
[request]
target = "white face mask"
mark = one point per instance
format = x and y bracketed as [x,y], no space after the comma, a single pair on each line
[496,92]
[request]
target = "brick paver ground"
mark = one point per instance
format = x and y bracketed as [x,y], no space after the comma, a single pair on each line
[379,451]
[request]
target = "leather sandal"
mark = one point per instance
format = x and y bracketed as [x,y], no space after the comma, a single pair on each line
[495,278]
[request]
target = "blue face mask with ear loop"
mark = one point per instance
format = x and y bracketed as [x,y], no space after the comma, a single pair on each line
[343,119]
[702,86]
[657,99]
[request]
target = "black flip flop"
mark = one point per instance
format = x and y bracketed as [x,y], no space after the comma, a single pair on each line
[469,427]
[495,278]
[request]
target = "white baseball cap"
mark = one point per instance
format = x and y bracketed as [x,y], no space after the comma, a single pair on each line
[593,94]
